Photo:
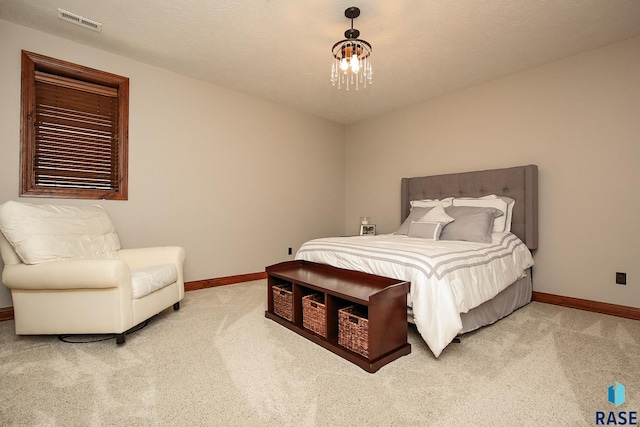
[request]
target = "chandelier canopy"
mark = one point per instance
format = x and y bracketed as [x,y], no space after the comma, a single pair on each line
[352,57]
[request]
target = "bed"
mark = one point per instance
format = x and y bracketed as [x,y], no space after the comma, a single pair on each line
[456,286]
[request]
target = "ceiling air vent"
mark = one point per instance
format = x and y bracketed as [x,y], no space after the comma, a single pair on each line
[79,20]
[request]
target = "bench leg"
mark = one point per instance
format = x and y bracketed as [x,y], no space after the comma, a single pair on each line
[176,306]
[120,338]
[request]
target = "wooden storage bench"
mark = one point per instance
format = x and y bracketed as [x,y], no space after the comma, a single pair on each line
[383,299]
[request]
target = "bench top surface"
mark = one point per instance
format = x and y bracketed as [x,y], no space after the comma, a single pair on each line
[353,285]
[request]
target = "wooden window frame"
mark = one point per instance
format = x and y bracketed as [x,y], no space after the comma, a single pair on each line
[75,77]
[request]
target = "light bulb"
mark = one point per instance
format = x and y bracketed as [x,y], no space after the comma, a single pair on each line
[355,65]
[344,65]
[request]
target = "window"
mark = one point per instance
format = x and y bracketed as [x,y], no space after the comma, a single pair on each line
[74,133]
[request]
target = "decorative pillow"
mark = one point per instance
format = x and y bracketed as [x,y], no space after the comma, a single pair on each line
[430,203]
[457,211]
[415,214]
[472,224]
[426,230]
[437,214]
[504,204]
[40,233]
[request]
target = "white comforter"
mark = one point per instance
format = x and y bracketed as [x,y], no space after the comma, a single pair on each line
[447,277]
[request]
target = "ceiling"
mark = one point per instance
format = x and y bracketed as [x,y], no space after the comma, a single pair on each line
[280,50]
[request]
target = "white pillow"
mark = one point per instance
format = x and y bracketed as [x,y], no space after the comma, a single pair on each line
[437,214]
[510,204]
[505,204]
[40,233]
[429,203]
[426,230]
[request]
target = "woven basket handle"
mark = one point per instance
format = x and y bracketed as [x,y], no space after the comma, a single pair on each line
[353,319]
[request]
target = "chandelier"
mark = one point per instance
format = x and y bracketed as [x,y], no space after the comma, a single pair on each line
[352,57]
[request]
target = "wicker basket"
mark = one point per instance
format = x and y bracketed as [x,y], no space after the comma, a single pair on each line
[314,314]
[283,301]
[353,329]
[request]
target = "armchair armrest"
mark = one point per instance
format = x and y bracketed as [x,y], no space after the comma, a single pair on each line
[74,274]
[145,257]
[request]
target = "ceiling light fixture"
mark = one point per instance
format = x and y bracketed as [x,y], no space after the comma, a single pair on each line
[352,57]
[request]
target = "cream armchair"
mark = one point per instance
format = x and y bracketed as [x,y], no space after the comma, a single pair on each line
[68,275]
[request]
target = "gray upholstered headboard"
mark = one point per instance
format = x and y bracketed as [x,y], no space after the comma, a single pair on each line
[519,183]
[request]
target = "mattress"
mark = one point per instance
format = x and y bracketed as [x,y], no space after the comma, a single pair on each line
[448,278]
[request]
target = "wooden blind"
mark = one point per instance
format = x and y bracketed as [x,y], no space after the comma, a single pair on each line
[76,131]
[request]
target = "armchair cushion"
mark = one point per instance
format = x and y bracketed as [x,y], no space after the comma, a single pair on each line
[42,233]
[151,279]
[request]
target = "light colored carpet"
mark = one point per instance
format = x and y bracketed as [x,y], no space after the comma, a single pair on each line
[219,361]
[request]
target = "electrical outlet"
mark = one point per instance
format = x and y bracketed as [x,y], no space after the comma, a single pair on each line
[290,251]
[621,278]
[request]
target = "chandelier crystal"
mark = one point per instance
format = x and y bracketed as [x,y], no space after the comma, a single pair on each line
[352,58]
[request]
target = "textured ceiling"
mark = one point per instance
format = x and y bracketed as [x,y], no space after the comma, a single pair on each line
[280,50]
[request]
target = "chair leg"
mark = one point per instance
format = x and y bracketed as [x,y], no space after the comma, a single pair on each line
[176,306]
[120,338]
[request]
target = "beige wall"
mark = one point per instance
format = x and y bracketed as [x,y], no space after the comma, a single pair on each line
[233,179]
[236,180]
[578,119]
